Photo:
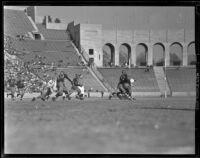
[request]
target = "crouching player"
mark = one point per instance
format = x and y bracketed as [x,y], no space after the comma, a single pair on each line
[124,87]
[11,87]
[46,90]
[78,87]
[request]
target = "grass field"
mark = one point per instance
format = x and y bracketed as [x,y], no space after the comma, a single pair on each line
[95,125]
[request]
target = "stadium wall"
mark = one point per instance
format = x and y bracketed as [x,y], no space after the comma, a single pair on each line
[92,37]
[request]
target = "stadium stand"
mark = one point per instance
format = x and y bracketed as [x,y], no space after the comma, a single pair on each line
[16,23]
[145,81]
[50,34]
[54,51]
[182,79]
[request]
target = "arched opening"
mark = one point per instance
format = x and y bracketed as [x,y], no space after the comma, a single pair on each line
[124,54]
[176,54]
[191,54]
[158,54]
[141,54]
[108,55]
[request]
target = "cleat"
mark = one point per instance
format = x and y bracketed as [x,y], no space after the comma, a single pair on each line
[81,97]
[110,96]
[53,98]
[33,99]
[63,97]
[69,98]
[47,97]
[77,97]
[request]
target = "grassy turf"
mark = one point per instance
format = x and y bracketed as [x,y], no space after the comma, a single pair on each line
[148,125]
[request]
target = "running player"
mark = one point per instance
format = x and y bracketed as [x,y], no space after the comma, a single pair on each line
[61,87]
[78,87]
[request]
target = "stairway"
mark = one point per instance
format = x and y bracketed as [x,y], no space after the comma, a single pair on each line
[162,81]
[84,57]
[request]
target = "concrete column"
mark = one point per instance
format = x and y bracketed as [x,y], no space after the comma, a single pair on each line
[133,54]
[185,55]
[167,54]
[116,54]
[150,54]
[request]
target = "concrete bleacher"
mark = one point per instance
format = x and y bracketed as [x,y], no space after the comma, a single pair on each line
[51,34]
[182,79]
[52,50]
[16,23]
[145,81]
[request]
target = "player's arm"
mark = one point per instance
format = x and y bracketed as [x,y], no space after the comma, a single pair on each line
[65,76]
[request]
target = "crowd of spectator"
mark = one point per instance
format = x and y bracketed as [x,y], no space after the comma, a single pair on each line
[34,72]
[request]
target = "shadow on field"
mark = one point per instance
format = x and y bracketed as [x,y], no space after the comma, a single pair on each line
[165,108]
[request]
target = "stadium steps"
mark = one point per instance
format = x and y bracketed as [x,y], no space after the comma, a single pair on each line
[162,81]
[90,69]
[145,81]
[16,22]
[181,79]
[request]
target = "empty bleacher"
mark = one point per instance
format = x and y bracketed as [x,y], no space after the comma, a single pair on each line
[51,34]
[16,23]
[145,81]
[54,51]
[181,79]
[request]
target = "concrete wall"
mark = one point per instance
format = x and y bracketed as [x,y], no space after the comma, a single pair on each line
[31,11]
[149,38]
[56,26]
[93,37]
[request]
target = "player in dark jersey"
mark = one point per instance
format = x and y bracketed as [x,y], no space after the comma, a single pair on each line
[61,87]
[20,88]
[78,87]
[124,87]
[11,87]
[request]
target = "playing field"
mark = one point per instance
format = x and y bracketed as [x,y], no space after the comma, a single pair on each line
[96,125]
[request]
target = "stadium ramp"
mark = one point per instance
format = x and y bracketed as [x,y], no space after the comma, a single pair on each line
[162,81]
[84,59]
[16,22]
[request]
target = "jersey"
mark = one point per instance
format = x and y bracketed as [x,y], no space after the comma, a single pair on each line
[20,84]
[11,82]
[77,82]
[61,78]
[124,79]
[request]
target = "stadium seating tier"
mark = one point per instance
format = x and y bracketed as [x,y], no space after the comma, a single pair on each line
[145,81]
[181,79]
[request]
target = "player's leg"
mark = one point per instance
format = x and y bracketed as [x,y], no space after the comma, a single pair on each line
[60,91]
[21,93]
[12,93]
[49,92]
[79,92]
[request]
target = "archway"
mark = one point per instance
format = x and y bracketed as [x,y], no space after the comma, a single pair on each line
[108,54]
[141,54]
[191,53]
[124,54]
[158,54]
[176,54]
